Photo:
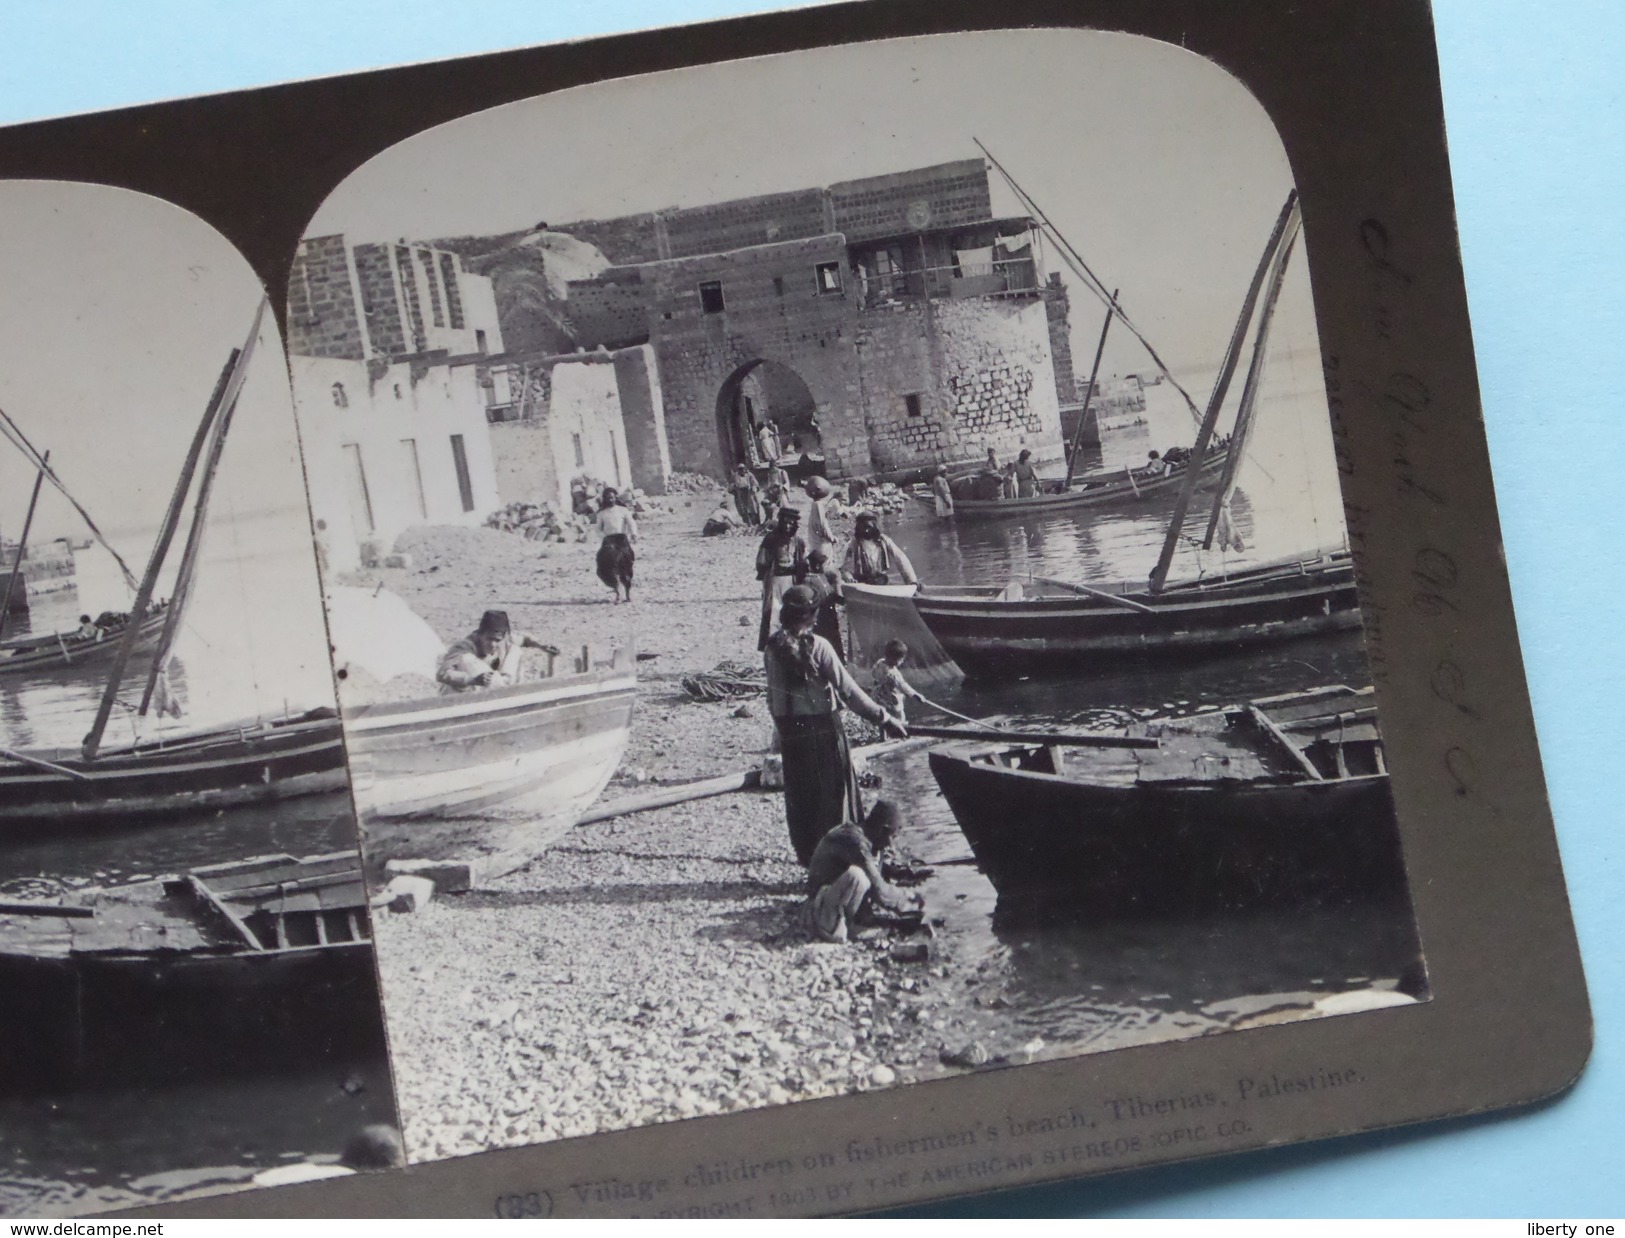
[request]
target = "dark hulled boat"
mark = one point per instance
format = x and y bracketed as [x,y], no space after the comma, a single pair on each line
[1118,487]
[53,653]
[232,970]
[196,772]
[1053,626]
[1283,802]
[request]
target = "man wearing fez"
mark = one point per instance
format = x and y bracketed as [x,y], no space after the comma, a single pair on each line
[487,657]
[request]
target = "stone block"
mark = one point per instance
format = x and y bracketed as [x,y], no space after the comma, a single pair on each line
[449,876]
[408,894]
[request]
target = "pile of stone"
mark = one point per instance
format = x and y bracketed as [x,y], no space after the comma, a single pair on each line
[537,522]
[691,483]
[886,498]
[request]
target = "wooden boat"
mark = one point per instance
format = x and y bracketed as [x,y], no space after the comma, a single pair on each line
[197,771]
[53,652]
[1094,490]
[1021,628]
[1048,626]
[491,776]
[1282,802]
[232,970]
[200,771]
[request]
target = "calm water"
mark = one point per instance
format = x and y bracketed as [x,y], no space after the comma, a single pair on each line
[253,645]
[1107,986]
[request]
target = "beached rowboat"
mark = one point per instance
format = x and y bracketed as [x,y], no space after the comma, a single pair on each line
[1282,802]
[232,970]
[492,776]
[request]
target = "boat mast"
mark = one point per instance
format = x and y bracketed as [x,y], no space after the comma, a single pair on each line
[226,387]
[22,545]
[1255,378]
[1089,394]
[10,430]
[1221,387]
[194,537]
[1091,281]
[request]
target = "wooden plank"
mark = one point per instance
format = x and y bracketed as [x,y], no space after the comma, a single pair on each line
[1267,724]
[1078,739]
[46,909]
[207,897]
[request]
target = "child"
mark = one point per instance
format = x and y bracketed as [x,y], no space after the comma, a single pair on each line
[890,686]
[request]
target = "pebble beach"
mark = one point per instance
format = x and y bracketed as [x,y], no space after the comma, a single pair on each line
[649,967]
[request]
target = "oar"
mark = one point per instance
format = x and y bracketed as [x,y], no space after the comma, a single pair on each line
[1083,739]
[50,767]
[954,713]
[1098,593]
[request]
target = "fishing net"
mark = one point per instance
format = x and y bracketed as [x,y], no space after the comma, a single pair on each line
[729,681]
[875,616]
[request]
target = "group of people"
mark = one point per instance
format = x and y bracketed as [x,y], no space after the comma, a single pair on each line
[808,687]
[839,844]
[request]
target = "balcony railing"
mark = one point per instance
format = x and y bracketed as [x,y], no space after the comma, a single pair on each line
[1000,278]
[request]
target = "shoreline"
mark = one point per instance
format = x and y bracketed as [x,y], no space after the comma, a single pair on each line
[648,967]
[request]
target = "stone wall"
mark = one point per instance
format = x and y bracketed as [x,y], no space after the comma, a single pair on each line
[944,196]
[611,310]
[1057,305]
[744,222]
[979,375]
[374,267]
[643,413]
[322,320]
[526,472]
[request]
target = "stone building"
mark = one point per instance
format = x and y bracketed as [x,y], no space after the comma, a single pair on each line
[389,445]
[388,346]
[888,324]
[597,414]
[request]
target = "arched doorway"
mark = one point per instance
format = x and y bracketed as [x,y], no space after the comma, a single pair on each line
[760,394]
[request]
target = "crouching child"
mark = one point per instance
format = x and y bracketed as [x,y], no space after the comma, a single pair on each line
[845,888]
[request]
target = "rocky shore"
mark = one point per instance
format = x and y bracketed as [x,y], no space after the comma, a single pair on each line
[650,967]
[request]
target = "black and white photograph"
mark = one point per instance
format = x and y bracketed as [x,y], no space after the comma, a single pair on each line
[838,580]
[190,995]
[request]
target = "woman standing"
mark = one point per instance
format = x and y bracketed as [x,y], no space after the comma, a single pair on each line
[781,564]
[615,554]
[941,492]
[820,534]
[747,495]
[1026,476]
[806,686]
[873,558]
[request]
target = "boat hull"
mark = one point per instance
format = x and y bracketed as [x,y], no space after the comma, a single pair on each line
[989,636]
[236,969]
[155,1017]
[205,773]
[59,654]
[1163,850]
[492,778]
[1097,494]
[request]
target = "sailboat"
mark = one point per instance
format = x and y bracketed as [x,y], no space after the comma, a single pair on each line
[194,771]
[52,653]
[1045,625]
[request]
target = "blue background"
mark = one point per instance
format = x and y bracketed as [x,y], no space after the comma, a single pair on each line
[1537,142]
